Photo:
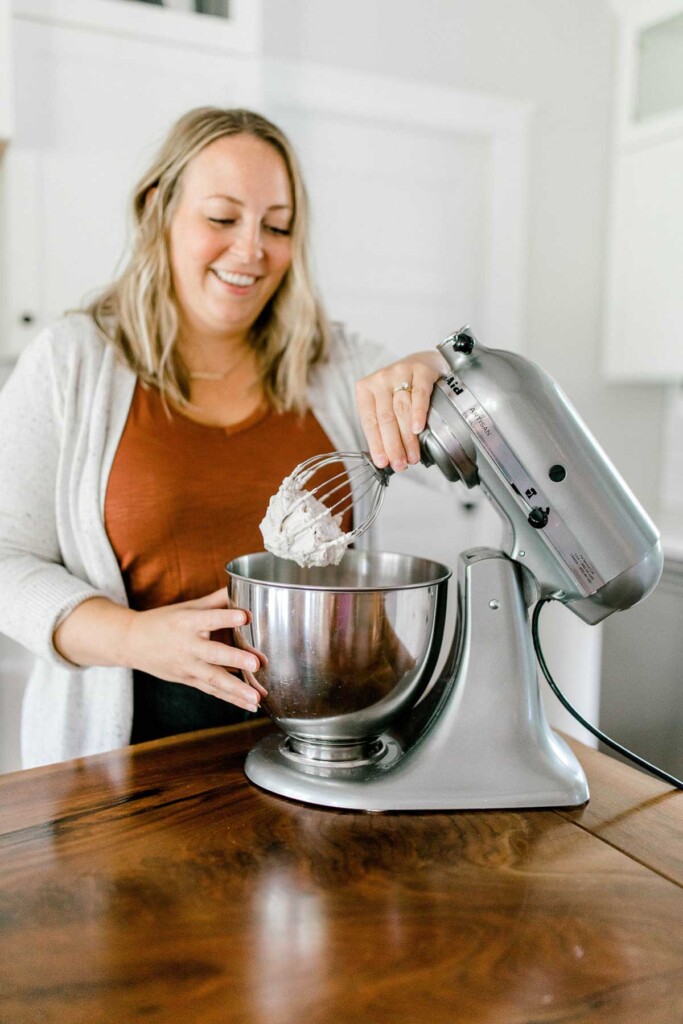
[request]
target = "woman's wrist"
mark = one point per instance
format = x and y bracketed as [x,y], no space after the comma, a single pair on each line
[97,632]
[433,359]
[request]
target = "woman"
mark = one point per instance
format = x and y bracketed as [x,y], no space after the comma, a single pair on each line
[140,440]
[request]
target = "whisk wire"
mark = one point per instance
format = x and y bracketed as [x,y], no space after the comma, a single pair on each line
[343,476]
[363,478]
[375,509]
[305,470]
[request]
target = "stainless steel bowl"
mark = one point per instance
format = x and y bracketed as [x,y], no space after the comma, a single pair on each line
[348,647]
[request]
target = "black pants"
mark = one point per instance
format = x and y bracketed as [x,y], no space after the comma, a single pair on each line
[167,709]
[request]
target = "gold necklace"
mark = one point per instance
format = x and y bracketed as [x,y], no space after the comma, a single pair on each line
[206,375]
[210,375]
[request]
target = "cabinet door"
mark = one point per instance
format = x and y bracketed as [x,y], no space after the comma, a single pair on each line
[644,296]
[645,292]
[401,224]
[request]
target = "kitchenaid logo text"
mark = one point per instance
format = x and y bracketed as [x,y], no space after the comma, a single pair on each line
[455,385]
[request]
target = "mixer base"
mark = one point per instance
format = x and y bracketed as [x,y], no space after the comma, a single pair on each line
[486,743]
[385,787]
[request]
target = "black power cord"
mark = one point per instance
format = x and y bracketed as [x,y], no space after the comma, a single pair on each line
[677,783]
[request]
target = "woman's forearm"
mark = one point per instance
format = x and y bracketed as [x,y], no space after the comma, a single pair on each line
[172,643]
[96,633]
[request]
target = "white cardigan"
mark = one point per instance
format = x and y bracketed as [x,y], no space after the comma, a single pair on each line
[62,413]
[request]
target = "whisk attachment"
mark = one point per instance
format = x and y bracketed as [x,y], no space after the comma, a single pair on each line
[355,485]
[304,523]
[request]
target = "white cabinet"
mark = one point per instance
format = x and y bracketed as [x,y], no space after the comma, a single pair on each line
[646,285]
[644,293]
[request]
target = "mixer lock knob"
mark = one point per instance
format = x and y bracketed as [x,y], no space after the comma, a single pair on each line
[538,517]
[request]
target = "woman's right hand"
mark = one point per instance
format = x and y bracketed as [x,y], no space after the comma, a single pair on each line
[174,643]
[171,643]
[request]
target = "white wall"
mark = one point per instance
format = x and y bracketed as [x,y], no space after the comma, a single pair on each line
[558,54]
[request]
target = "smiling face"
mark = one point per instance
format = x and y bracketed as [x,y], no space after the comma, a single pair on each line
[230,244]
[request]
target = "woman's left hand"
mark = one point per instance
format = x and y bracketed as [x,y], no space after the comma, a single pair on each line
[393,404]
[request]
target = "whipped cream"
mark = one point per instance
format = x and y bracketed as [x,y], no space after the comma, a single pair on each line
[299,527]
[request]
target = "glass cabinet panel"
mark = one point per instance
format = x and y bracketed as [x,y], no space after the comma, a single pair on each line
[659,76]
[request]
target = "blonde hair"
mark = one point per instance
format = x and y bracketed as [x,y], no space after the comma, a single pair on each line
[138,314]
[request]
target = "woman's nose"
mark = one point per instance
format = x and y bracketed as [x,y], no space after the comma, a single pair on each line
[247,244]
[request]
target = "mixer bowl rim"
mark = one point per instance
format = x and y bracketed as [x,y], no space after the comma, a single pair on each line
[443,574]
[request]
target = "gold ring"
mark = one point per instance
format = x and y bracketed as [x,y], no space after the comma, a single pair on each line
[405,385]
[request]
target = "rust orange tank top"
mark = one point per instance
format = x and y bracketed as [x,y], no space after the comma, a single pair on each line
[184,498]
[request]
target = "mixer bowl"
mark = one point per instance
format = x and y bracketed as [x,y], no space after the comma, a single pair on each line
[349,647]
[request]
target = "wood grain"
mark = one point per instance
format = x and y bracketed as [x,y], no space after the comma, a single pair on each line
[156,884]
[633,811]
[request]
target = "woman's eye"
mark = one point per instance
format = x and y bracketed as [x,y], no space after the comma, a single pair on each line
[270,228]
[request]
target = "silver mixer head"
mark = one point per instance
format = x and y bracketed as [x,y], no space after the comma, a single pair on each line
[500,422]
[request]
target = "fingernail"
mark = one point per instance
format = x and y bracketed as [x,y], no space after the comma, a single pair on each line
[398,466]
[254,664]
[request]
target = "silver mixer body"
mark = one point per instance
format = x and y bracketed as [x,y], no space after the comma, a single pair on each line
[476,736]
[500,422]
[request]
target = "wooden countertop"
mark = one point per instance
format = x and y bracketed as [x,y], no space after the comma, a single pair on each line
[156,884]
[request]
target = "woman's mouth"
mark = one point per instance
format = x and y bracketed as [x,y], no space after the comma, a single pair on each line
[236,280]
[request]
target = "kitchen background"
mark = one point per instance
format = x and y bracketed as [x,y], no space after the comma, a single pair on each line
[512,164]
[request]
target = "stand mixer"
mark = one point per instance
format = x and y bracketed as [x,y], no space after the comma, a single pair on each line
[475,736]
